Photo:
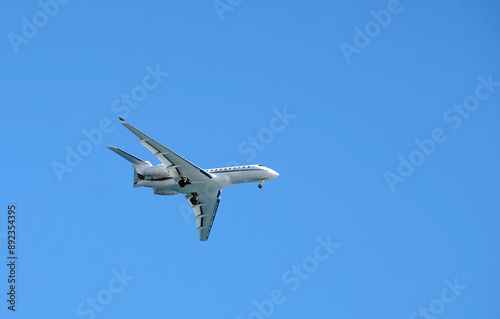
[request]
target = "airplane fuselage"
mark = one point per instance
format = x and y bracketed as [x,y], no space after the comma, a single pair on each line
[221,178]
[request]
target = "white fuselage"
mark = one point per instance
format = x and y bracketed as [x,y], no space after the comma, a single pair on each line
[221,178]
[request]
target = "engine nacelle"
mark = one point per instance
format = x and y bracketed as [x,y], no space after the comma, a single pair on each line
[165,192]
[155,171]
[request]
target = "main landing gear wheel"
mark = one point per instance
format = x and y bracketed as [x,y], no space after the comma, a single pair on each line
[184,181]
[194,200]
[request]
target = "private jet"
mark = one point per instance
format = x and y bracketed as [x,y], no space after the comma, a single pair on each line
[176,175]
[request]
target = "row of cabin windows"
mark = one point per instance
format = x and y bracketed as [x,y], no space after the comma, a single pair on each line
[229,168]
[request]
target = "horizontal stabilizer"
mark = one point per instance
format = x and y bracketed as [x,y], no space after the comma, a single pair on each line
[183,167]
[131,158]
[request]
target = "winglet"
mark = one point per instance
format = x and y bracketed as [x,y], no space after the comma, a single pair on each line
[121,118]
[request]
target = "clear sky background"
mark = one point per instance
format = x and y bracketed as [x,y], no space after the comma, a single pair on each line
[403,243]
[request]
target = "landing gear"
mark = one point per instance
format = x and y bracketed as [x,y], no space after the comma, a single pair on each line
[261,182]
[194,200]
[184,181]
[260,185]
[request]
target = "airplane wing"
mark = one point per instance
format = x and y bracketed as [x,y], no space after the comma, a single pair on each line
[205,208]
[170,159]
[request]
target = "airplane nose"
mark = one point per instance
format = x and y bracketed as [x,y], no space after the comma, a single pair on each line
[273,174]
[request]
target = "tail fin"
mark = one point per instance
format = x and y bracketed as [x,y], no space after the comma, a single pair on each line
[136,162]
[136,177]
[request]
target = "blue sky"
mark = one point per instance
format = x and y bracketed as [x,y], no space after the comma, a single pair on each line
[362,221]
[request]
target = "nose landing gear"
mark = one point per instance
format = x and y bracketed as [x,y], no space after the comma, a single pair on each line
[261,182]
